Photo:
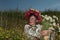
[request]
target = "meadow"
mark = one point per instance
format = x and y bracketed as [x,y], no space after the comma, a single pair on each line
[12,23]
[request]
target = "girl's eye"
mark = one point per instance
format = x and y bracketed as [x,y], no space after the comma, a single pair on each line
[32,19]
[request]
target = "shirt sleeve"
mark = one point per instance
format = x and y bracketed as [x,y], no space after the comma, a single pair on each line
[31,32]
[39,27]
[26,29]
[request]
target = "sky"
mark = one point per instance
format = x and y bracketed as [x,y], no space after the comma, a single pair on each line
[26,4]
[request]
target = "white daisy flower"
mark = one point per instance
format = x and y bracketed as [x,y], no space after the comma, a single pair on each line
[51,28]
[42,16]
[53,20]
[57,24]
[54,16]
[50,18]
[59,29]
[54,24]
[47,17]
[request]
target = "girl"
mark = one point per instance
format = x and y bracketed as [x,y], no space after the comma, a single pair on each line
[32,29]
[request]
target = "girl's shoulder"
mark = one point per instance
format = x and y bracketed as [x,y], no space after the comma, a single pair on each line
[26,26]
[39,26]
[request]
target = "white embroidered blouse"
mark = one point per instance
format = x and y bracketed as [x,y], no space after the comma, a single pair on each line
[30,33]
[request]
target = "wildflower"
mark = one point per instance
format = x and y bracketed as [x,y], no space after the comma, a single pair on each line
[42,16]
[7,31]
[7,36]
[54,24]
[54,16]
[59,29]
[50,18]
[53,20]
[51,28]
[35,12]
[57,24]
[12,31]
[47,17]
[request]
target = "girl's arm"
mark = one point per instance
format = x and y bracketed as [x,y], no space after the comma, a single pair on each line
[26,29]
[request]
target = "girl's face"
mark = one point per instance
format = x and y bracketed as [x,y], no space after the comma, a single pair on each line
[32,20]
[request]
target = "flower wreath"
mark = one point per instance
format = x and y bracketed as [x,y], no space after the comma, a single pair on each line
[35,12]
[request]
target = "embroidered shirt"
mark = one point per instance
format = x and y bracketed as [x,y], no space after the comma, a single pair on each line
[30,33]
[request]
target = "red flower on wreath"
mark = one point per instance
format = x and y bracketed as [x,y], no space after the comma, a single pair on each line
[35,12]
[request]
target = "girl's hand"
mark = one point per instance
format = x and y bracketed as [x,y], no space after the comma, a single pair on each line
[45,32]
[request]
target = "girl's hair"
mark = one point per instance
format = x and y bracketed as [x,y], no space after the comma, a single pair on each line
[32,15]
